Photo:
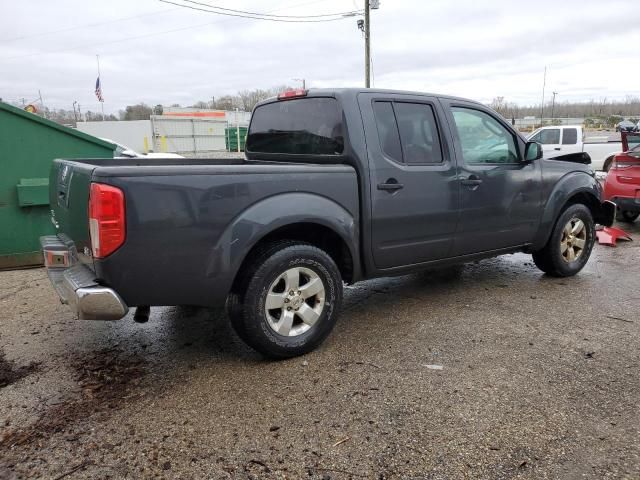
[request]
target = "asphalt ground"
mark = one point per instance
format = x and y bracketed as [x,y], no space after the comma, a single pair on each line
[498,372]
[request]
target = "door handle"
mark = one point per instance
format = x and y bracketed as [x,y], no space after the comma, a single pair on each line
[391,185]
[557,148]
[471,181]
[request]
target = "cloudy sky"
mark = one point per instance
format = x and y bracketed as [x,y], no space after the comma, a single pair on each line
[160,53]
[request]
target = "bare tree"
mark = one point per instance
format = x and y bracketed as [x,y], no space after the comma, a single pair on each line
[140,111]
[226,102]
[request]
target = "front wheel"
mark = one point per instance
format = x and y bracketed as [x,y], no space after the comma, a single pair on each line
[607,164]
[289,299]
[570,243]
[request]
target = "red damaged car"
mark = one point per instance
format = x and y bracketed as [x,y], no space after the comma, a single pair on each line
[622,185]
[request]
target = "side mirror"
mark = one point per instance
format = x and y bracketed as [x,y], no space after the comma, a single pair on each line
[533,151]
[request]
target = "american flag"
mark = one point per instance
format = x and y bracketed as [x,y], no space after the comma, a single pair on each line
[99,90]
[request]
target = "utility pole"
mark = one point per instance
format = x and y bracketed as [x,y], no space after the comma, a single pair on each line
[367,44]
[553,105]
[302,80]
[75,116]
[544,84]
[238,129]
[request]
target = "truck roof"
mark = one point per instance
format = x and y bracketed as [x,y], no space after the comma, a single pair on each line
[560,126]
[352,92]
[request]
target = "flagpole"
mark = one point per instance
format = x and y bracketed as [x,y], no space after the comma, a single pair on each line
[102,102]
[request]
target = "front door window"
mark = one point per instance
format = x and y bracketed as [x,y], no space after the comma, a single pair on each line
[483,138]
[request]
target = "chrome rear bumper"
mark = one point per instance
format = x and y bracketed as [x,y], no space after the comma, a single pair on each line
[76,284]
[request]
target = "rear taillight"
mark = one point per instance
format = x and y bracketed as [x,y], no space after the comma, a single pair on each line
[106,219]
[622,162]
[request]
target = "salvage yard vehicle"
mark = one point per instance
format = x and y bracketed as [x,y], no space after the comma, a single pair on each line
[563,140]
[337,186]
[126,152]
[622,185]
[626,126]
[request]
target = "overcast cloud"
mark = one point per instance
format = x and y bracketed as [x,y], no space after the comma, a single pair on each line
[476,49]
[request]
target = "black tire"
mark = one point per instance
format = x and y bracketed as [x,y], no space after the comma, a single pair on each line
[550,258]
[247,305]
[627,216]
[607,164]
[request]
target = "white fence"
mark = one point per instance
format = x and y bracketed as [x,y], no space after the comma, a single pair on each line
[194,132]
[191,132]
[187,135]
[135,134]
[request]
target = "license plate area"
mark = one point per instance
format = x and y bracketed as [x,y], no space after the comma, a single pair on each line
[56,258]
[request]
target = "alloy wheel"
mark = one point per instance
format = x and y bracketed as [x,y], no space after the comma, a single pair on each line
[295,301]
[573,241]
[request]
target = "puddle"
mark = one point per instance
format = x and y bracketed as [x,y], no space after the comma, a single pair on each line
[105,380]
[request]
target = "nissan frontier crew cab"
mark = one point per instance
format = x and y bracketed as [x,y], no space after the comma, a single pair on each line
[337,186]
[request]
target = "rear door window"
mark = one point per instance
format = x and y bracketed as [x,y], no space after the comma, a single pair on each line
[388,130]
[569,136]
[408,132]
[418,132]
[305,126]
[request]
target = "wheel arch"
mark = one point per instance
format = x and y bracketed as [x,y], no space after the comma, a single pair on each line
[607,163]
[306,217]
[313,233]
[578,187]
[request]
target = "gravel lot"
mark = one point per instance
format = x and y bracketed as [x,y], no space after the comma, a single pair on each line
[540,378]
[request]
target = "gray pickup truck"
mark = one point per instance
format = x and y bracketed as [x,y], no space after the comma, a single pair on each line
[337,186]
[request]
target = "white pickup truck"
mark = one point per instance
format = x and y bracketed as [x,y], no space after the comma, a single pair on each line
[563,140]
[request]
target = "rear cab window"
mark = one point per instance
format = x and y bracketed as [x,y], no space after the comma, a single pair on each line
[302,126]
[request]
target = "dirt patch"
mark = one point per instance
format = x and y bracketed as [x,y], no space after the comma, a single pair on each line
[10,372]
[104,378]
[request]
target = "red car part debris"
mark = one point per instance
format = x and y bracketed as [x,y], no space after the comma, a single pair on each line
[622,184]
[609,236]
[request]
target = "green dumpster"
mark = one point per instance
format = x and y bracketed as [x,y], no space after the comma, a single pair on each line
[231,138]
[28,144]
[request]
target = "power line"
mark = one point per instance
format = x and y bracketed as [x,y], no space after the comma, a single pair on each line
[88,25]
[253,16]
[271,15]
[136,37]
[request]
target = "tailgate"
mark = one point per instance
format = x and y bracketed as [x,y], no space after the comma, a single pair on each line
[69,199]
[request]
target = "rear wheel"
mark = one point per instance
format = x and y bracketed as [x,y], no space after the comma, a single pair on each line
[570,243]
[627,216]
[288,299]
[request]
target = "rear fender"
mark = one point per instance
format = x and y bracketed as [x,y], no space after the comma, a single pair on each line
[268,215]
[576,187]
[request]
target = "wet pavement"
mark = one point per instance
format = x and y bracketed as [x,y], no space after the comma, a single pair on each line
[539,378]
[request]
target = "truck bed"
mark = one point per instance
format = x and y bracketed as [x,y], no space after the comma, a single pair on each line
[182,217]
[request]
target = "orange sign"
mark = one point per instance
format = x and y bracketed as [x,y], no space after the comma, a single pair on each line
[194,114]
